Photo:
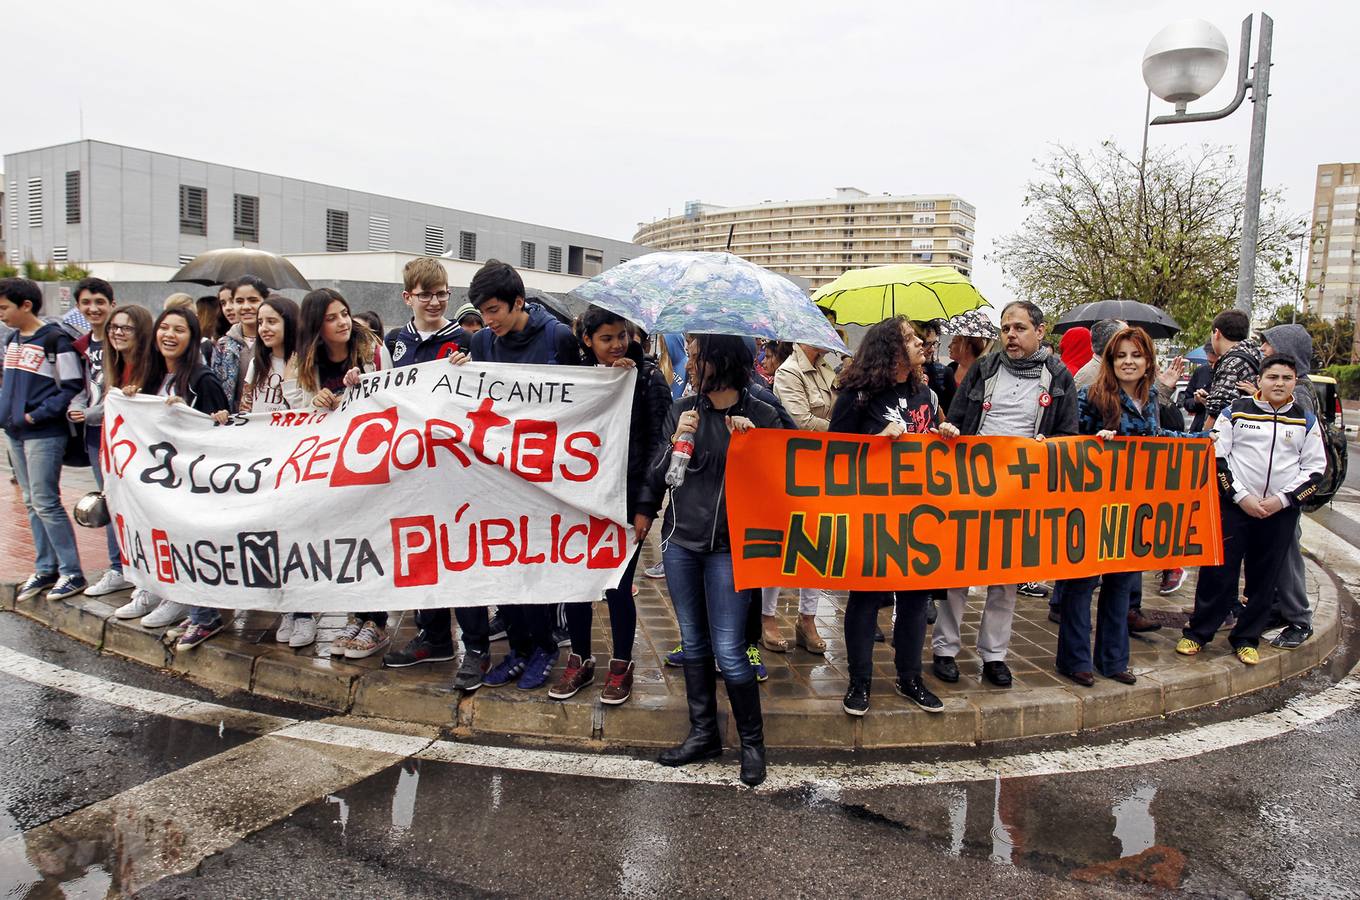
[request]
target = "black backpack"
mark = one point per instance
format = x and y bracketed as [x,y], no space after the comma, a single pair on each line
[1334,445]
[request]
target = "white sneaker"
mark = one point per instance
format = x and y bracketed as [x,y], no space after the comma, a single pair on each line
[304,631]
[142,602]
[284,633]
[110,582]
[167,613]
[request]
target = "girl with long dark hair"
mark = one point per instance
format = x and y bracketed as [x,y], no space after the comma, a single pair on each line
[176,372]
[608,343]
[128,348]
[128,353]
[333,350]
[275,345]
[883,391]
[1122,402]
[697,552]
[248,292]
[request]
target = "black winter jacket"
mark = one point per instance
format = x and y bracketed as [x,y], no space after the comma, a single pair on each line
[651,403]
[696,517]
[1059,419]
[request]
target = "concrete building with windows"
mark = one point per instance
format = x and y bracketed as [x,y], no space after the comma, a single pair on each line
[820,239]
[1333,277]
[130,214]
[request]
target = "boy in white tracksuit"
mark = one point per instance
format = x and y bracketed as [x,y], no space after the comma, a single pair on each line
[1270,457]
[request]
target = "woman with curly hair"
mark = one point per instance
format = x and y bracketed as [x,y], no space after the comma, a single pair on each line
[883,391]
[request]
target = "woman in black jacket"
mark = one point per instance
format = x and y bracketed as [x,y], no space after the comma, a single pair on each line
[177,373]
[608,343]
[883,391]
[698,553]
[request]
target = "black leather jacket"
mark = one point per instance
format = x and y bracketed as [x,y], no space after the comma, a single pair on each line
[696,517]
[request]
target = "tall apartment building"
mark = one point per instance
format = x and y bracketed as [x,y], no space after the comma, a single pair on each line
[139,213]
[1334,256]
[820,239]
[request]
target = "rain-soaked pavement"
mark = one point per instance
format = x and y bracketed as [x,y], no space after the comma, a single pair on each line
[101,800]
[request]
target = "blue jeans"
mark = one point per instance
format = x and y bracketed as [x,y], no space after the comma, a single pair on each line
[37,466]
[115,558]
[711,612]
[1112,624]
[204,615]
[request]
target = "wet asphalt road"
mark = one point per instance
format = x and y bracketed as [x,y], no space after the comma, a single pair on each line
[1275,818]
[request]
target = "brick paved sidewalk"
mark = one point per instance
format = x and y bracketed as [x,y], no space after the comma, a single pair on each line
[802,696]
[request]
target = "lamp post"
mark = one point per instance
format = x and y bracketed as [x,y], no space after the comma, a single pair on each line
[1182,63]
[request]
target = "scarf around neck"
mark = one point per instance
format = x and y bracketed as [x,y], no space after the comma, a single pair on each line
[1027,366]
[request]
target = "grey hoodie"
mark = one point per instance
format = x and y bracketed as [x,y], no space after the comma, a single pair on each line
[1295,341]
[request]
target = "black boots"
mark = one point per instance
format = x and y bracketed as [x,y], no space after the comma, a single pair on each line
[745,699]
[704,742]
[701,690]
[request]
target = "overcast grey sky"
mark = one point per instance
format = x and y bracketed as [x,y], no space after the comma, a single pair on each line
[604,115]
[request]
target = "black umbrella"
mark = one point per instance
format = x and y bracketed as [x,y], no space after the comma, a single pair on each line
[221,266]
[1149,318]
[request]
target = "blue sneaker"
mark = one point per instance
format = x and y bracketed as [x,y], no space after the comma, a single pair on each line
[68,586]
[676,657]
[505,671]
[753,654]
[34,585]
[536,673]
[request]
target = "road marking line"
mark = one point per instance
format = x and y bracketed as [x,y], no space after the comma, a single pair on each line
[1300,712]
[35,671]
[168,825]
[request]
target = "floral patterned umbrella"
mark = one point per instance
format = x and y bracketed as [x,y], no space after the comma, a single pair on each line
[973,323]
[709,293]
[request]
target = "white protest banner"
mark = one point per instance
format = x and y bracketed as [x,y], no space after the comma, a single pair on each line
[432,485]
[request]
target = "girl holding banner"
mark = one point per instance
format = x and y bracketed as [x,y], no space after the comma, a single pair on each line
[697,553]
[127,357]
[1121,403]
[883,391]
[333,350]
[606,338]
[263,391]
[177,373]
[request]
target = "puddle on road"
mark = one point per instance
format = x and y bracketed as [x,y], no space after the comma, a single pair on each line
[45,861]
[1043,825]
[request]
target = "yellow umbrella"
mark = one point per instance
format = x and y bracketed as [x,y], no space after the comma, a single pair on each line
[921,293]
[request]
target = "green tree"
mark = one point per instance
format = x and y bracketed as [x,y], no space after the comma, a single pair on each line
[49,272]
[1097,228]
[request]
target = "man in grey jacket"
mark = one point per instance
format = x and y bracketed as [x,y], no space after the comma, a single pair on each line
[1022,389]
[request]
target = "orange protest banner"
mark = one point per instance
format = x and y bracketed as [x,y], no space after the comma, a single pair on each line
[872,513]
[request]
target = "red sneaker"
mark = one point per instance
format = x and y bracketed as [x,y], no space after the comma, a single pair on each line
[577,675]
[618,685]
[1172,579]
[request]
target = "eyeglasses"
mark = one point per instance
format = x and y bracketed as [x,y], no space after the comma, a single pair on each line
[426,296]
[122,329]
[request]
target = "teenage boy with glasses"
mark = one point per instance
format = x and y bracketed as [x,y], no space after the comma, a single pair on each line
[429,336]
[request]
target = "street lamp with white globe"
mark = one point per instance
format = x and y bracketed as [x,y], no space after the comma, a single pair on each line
[1182,63]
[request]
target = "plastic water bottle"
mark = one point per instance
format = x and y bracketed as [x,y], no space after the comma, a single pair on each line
[681,451]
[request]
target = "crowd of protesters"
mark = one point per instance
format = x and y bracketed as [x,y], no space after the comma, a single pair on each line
[248,349]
